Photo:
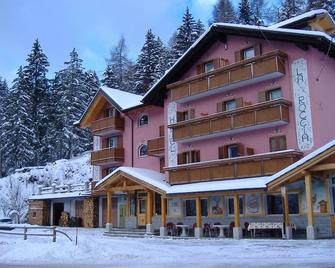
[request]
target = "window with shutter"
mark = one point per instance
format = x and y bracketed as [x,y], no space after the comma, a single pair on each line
[209,66]
[274,94]
[278,143]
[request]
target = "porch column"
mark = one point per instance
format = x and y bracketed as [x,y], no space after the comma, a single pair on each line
[109,224]
[198,228]
[237,230]
[163,231]
[149,213]
[310,230]
[288,228]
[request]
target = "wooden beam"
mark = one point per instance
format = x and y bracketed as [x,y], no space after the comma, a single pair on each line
[309,199]
[163,211]
[198,212]
[127,188]
[149,207]
[286,206]
[323,167]
[109,207]
[237,210]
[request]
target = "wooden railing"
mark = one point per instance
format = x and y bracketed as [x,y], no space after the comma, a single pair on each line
[107,124]
[231,168]
[257,115]
[68,188]
[107,155]
[156,147]
[266,66]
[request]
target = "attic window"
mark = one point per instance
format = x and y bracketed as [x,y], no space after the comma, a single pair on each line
[110,112]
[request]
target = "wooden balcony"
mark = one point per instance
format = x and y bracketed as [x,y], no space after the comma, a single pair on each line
[156,147]
[107,125]
[252,117]
[107,156]
[233,168]
[247,72]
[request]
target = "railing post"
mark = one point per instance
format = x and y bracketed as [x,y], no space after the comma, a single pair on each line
[53,188]
[69,187]
[25,233]
[54,234]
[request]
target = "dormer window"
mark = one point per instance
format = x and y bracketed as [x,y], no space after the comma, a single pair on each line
[209,66]
[143,120]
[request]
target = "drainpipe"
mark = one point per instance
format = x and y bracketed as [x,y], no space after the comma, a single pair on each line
[132,139]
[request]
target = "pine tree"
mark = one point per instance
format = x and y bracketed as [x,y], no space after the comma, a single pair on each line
[246,15]
[4,92]
[328,5]
[186,35]
[290,8]
[38,85]
[73,89]
[260,9]
[118,67]
[146,67]
[199,28]
[18,135]
[223,11]
[163,59]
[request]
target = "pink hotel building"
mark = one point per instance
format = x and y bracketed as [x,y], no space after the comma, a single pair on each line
[239,133]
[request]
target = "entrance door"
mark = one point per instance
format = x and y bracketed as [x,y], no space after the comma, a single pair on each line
[122,211]
[141,209]
[58,208]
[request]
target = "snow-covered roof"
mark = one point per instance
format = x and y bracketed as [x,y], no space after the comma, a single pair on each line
[124,99]
[59,195]
[303,16]
[158,180]
[302,160]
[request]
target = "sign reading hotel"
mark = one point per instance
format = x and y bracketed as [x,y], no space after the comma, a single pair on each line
[172,146]
[302,104]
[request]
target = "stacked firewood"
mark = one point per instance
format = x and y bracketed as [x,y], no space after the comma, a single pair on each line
[64,219]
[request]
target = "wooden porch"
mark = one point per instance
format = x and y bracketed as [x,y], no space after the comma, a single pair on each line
[107,156]
[107,125]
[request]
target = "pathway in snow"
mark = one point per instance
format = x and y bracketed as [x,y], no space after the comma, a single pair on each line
[95,250]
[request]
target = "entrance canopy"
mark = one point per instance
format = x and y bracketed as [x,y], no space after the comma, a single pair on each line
[129,178]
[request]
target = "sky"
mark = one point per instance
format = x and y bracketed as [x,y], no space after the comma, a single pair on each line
[93,27]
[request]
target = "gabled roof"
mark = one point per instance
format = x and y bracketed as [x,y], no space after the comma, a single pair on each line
[219,32]
[304,163]
[123,101]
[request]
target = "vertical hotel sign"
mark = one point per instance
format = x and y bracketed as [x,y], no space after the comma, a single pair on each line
[172,146]
[302,104]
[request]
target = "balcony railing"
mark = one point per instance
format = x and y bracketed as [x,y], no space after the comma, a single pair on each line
[267,66]
[156,147]
[107,125]
[231,168]
[261,115]
[107,156]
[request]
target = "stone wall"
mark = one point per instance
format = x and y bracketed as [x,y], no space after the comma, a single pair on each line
[90,212]
[39,212]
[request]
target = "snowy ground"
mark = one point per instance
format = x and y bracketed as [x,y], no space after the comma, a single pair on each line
[95,250]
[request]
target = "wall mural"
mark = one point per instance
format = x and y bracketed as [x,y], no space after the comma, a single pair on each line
[319,197]
[216,205]
[302,104]
[172,146]
[253,203]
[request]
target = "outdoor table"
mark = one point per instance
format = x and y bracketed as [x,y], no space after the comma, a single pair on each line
[184,227]
[221,227]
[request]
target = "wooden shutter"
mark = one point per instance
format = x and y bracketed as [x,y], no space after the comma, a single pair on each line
[191,113]
[217,63]
[224,62]
[180,116]
[161,164]
[161,131]
[282,143]
[250,151]
[238,56]
[262,96]
[221,151]
[104,143]
[258,49]
[240,149]
[195,156]
[181,158]
[219,107]
[120,141]
[239,102]
[200,68]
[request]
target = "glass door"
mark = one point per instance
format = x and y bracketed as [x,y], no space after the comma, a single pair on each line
[141,209]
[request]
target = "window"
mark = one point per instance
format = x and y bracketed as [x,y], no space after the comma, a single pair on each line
[209,66]
[158,204]
[248,53]
[190,207]
[112,142]
[231,205]
[274,94]
[143,150]
[332,182]
[143,120]
[275,204]
[278,143]
[188,157]
[185,115]
[110,112]
[232,151]
[230,105]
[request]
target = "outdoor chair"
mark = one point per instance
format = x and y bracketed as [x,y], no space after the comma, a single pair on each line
[171,229]
[179,230]
[207,230]
[216,230]
[230,230]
